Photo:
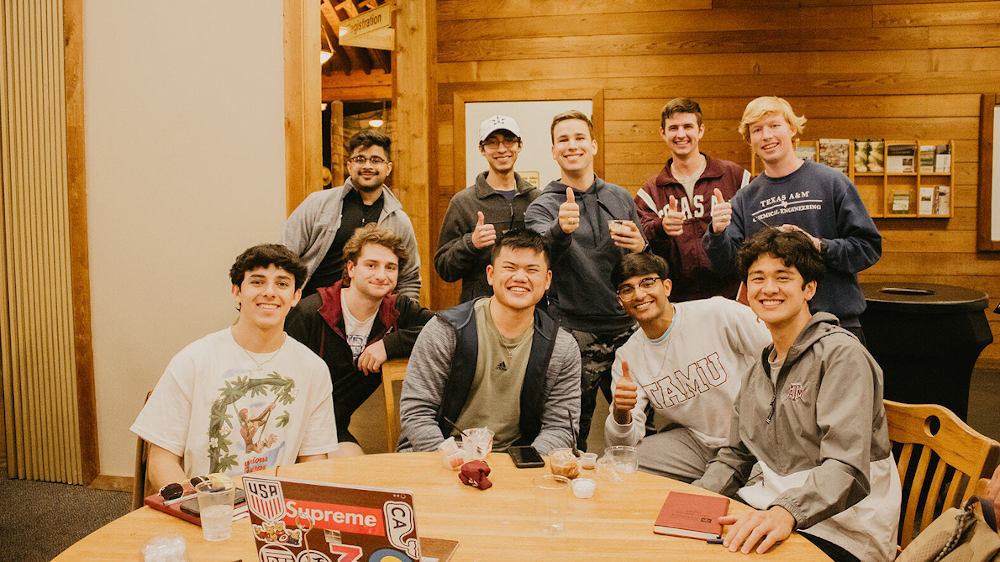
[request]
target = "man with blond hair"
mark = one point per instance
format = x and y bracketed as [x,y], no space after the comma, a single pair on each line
[675,205]
[360,322]
[798,195]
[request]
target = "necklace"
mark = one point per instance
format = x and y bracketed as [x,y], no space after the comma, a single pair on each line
[260,364]
[509,352]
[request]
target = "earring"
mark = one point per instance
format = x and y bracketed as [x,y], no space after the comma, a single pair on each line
[237,306]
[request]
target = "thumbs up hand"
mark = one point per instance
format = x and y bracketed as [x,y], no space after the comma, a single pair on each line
[673,218]
[569,213]
[722,212]
[484,234]
[626,393]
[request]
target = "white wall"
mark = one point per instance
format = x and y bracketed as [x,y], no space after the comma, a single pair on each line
[535,120]
[185,169]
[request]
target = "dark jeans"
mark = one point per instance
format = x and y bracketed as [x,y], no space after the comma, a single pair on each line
[597,354]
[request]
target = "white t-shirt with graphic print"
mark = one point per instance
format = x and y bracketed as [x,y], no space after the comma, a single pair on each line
[220,411]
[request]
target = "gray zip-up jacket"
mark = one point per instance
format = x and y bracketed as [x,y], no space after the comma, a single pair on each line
[456,257]
[311,228]
[820,435]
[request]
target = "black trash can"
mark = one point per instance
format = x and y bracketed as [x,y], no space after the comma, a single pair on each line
[926,338]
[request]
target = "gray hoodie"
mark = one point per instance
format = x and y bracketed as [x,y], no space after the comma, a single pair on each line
[311,228]
[581,295]
[820,435]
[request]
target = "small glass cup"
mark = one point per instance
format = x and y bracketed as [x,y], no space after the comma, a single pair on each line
[588,461]
[215,501]
[619,226]
[625,458]
[551,502]
[563,462]
[583,488]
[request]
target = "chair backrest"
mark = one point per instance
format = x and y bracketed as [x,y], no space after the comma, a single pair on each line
[392,371]
[141,463]
[941,461]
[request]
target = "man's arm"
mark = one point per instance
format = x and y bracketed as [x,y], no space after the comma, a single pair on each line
[561,411]
[633,429]
[456,256]
[721,247]
[540,218]
[652,225]
[423,388]
[841,480]
[164,467]
[731,466]
[858,244]
[412,318]
[409,276]
[298,234]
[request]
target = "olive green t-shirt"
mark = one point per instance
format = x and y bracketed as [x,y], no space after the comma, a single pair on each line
[495,395]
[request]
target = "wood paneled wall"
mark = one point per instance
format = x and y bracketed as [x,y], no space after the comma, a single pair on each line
[855,68]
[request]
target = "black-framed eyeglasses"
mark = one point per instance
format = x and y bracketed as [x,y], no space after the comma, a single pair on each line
[626,292]
[362,160]
[494,143]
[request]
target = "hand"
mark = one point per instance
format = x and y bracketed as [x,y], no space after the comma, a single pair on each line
[569,213]
[673,219]
[371,359]
[792,228]
[768,527]
[625,396]
[631,239]
[722,212]
[993,491]
[484,234]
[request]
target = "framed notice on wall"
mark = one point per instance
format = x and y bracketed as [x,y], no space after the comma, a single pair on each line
[988,220]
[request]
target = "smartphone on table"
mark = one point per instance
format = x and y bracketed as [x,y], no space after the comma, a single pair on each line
[525,457]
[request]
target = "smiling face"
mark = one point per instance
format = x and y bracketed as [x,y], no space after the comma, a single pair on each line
[771,138]
[265,297]
[776,292]
[368,176]
[645,298]
[682,132]
[519,277]
[572,146]
[500,150]
[376,273]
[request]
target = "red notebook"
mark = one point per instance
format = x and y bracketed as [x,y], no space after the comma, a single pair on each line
[691,515]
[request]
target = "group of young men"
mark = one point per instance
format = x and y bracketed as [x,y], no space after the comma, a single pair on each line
[566,290]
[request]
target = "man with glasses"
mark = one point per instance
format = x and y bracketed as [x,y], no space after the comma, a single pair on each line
[480,213]
[686,361]
[326,220]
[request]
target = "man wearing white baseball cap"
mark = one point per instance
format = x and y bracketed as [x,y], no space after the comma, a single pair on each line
[485,210]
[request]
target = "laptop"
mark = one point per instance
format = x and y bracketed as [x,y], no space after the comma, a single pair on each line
[303,521]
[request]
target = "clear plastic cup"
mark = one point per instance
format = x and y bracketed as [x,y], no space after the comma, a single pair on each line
[625,458]
[477,442]
[563,462]
[551,502]
[215,501]
[619,226]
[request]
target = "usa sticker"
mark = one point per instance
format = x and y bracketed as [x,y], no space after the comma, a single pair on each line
[795,391]
[264,498]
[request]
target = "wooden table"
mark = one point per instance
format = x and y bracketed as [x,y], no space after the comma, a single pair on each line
[495,524]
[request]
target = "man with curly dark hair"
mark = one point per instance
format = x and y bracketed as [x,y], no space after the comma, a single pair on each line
[247,397]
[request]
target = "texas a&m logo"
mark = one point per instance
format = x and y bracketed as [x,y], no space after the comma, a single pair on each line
[795,391]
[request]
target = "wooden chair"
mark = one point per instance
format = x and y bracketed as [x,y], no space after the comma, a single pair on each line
[141,464]
[935,448]
[392,371]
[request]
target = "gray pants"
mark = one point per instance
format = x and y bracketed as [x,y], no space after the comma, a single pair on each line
[675,453]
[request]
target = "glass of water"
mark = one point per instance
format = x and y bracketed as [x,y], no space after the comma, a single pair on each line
[215,501]
[551,501]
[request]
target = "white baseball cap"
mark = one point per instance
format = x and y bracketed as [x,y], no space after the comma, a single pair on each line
[498,123]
